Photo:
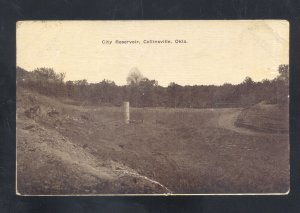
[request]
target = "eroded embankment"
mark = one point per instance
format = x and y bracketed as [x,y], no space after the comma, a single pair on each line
[49,163]
[255,120]
[265,118]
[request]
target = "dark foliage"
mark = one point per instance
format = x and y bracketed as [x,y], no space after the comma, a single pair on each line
[142,92]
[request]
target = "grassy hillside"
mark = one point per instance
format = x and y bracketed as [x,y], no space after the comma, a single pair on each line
[67,149]
[48,162]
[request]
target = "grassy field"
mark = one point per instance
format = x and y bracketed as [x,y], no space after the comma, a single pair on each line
[89,150]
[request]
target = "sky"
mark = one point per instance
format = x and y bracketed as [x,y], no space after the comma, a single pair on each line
[216,52]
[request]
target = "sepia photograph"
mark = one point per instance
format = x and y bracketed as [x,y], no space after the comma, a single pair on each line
[181,107]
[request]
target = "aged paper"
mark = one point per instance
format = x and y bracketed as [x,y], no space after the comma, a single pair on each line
[152,107]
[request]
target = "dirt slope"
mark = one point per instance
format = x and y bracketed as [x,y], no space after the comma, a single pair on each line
[49,163]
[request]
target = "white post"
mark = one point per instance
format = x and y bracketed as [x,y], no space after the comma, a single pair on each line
[126,112]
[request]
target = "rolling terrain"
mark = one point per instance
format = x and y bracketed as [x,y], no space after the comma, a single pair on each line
[64,148]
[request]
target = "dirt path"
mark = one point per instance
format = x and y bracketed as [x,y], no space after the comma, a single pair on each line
[226,120]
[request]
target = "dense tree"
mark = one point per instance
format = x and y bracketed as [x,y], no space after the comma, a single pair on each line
[282,84]
[143,92]
[173,94]
[134,77]
[147,92]
[48,74]
[283,70]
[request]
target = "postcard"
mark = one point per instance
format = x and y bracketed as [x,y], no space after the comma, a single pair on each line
[152,107]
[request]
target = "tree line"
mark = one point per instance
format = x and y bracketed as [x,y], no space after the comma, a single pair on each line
[143,92]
